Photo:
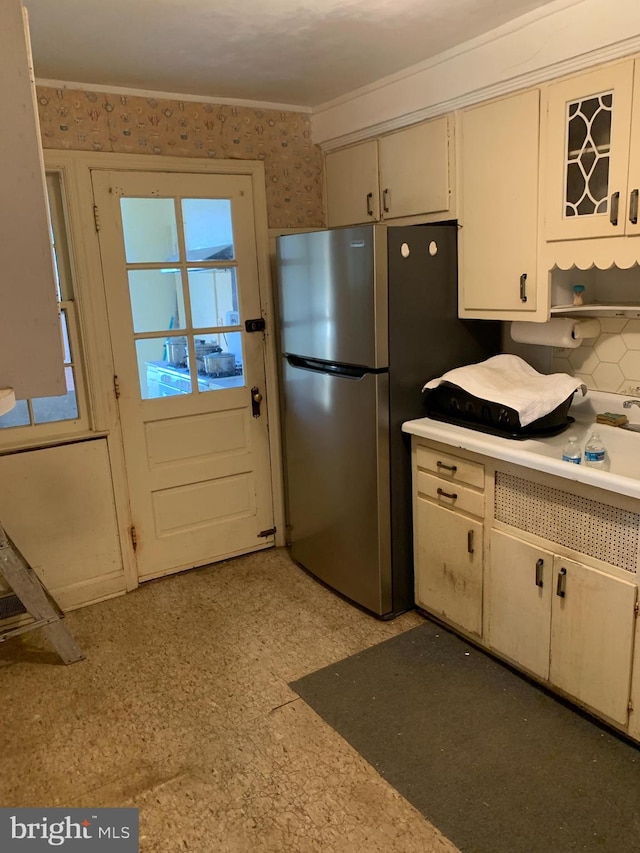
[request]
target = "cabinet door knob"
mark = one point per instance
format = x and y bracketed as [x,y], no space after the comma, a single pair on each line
[539,568]
[613,213]
[385,196]
[523,287]
[369,200]
[562,583]
[633,207]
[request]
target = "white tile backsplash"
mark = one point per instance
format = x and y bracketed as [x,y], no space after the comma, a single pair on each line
[610,362]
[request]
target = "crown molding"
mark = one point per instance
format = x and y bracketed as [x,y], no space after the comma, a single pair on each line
[564,68]
[170,96]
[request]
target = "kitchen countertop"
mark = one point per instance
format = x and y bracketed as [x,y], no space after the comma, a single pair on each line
[545,454]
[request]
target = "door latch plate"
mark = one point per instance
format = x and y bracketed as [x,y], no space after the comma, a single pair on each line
[257,325]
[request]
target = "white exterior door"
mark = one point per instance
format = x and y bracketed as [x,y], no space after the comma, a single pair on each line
[181,278]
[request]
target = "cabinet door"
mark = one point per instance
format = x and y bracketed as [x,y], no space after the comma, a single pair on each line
[592,628]
[499,215]
[449,565]
[414,170]
[632,226]
[31,355]
[518,597]
[587,151]
[352,185]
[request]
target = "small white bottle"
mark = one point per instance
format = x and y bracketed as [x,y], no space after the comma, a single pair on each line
[571,451]
[595,453]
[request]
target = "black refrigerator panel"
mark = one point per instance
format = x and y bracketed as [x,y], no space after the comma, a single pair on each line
[426,338]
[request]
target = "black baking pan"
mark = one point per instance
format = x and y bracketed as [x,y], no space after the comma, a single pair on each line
[452,404]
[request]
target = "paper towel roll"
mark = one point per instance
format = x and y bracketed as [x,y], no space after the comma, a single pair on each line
[557,332]
[7,400]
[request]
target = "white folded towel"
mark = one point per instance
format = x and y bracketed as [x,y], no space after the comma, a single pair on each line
[509,380]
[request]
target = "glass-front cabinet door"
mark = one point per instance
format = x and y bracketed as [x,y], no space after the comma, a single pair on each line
[589,123]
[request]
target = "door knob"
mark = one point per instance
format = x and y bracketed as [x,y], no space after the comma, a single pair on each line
[256,399]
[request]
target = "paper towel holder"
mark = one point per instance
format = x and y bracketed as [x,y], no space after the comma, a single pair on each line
[565,332]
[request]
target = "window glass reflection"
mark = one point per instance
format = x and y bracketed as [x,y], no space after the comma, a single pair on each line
[156,298]
[63,408]
[150,231]
[208,230]
[214,297]
[158,377]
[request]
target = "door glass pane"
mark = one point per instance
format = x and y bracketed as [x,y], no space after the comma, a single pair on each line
[157,301]
[65,337]
[208,231]
[18,416]
[150,231]
[64,408]
[588,147]
[214,297]
[159,378]
[219,360]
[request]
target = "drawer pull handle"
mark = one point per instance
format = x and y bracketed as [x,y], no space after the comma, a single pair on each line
[562,582]
[444,494]
[539,567]
[613,213]
[452,468]
[470,548]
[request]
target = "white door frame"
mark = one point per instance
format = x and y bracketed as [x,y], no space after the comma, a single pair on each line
[76,168]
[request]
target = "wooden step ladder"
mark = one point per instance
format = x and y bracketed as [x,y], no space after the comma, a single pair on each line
[31,596]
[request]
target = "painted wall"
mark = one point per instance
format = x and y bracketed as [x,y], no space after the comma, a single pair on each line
[559,38]
[81,120]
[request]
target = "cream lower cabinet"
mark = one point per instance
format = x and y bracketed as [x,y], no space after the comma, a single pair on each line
[592,635]
[566,623]
[448,536]
[519,582]
[536,569]
[449,565]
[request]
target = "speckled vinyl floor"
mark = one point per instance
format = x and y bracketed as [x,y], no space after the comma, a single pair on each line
[182,709]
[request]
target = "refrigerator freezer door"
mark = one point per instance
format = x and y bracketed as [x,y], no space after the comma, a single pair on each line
[333,297]
[337,471]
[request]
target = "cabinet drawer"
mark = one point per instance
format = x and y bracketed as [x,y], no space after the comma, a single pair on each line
[449,467]
[448,494]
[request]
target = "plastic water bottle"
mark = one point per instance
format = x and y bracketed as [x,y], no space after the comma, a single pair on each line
[595,453]
[572,452]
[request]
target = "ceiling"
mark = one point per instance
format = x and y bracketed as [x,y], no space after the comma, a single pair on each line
[294,52]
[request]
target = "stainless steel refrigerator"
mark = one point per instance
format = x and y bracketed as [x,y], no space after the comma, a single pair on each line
[367,315]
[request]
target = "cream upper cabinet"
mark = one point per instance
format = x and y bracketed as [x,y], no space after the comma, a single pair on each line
[414,170]
[31,356]
[351,176]
[592,131]
[406,173]
[498,240]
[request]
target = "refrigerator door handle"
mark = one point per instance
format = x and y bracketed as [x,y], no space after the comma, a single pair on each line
[346,371]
